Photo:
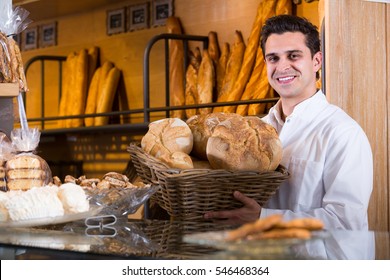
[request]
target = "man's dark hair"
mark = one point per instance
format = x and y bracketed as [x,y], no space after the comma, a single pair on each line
[289,23]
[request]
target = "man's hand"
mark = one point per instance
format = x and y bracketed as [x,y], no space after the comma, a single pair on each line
[248,213]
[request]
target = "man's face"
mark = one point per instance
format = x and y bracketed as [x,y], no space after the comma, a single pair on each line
[291,70]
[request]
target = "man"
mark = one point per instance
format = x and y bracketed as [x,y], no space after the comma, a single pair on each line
[326,152]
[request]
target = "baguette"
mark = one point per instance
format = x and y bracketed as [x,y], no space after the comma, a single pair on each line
[198,58]
[221,66]
[213,47]
[79,91]
[283,7]
[264,8]
[205,84]
[107,95]
[232,69]
[106,67]
[123,104]
[191,91]
[93,55]
[64,109]
[253,83]
[261,90]
[176,68]
[92,97]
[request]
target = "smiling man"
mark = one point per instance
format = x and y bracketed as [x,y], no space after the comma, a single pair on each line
[326,152]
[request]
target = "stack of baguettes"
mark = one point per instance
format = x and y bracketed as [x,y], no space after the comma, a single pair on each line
[224,73]
[87,88]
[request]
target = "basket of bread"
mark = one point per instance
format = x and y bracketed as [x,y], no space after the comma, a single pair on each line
[199,163]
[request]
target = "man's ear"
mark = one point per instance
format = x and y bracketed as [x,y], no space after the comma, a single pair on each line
[317,59]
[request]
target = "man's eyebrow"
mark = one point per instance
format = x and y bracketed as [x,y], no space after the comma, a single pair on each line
[288,52]
[270,54]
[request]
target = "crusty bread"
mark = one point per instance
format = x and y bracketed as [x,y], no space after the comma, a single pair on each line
[232,70]
[250,54]
[78,95]
[213,47]
[107,95]
[206,80]
[177,160]
[64,108]
[191,91]
[176,67]
[202,127]
[167,136]
[92,97]
[221,67]
[284,7]
[257,86]
[244,143]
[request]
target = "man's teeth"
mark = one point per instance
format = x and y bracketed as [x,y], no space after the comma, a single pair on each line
[285,79]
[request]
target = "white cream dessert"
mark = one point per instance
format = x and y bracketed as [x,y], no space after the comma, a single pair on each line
[3,211]
[73,198]
[36,203]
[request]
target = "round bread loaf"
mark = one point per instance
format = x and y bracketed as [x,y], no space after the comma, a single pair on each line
[202,127]
[167,136]
[244,143]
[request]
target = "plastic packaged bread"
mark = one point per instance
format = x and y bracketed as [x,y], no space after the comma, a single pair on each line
[25,171]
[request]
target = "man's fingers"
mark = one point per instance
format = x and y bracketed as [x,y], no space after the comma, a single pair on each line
[245,200]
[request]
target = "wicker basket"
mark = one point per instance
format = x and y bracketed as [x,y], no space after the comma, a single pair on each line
[188,194]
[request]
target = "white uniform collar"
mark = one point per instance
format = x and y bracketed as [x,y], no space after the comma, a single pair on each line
[315,103]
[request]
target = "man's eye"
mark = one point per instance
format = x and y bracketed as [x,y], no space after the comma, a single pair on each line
[272,59]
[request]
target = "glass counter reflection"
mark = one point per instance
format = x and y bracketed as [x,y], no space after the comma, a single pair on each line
[166,240]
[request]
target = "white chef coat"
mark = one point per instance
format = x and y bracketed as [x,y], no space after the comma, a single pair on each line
[330,163]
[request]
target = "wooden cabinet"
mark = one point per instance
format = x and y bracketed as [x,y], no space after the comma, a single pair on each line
[357,61]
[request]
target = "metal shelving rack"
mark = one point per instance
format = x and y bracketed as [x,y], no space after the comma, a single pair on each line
[131,128]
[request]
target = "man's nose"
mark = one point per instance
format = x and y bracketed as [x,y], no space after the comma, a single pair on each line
[284,64]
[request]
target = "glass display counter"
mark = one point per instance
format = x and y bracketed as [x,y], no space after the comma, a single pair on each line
[163,239]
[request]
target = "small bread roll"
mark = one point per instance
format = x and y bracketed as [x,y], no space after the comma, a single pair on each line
[178,160]
[202,126]
[244,143]
[167,136]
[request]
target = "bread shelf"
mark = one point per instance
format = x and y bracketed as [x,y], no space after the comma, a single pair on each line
[138,128]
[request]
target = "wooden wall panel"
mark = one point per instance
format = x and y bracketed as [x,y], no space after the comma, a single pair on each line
[386,80]
[356,80]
